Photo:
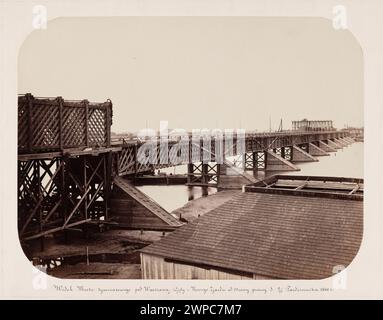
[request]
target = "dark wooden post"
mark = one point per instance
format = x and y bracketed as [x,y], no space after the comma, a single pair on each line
[205,173]
[61,136]
[190,172]
[254,162]
[135,161]
[283,152]
[64,193]
[85,188]
[108,182]
[39,197]
[86,103]
[244,159]
[190,195]
[108,122]
[29,106]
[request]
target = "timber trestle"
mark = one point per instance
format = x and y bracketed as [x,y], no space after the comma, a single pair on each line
[67,162]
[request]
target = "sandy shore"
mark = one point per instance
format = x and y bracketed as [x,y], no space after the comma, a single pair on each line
[111,241]
[200,206]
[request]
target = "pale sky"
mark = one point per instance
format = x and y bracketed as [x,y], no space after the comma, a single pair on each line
[199,72]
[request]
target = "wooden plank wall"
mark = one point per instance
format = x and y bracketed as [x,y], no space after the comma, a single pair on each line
[155,267]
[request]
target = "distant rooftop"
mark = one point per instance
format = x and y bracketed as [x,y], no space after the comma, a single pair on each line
[323,187]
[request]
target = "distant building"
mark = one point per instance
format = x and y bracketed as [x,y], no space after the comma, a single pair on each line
[312,125]
[285,227]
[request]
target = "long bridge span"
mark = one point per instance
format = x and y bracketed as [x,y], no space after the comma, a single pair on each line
[70,169]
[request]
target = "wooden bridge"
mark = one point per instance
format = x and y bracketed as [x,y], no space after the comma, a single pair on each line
[67,162]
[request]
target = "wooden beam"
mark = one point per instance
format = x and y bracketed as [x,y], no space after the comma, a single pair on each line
[86,104]
[76,207]
[355,189]
[44,233]
[61,138]
[74,152]
[58,203]
[31,215]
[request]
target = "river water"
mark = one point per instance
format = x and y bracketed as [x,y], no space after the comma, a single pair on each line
[346,162]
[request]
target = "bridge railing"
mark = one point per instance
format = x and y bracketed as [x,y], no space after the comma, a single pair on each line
[51,124]
[121,139]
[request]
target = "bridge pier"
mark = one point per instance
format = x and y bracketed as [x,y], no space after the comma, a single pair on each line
[349,140]
[203,174]
[316,151]
[324,146]
[256,160]
[277,159]
[304,146]
[344,141]
[132,209]
[300,155]
[340,142]
[333,144]
[277,163]
[284,152]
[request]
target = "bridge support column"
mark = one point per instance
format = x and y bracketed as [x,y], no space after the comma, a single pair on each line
[260,160]
[190,174]
[275,162]
[299,155]
[326,147]
[248,161]
[255,160]
[203,174]
[316,151]
[284,152]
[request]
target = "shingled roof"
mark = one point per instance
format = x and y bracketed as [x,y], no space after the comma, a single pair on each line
[275,235]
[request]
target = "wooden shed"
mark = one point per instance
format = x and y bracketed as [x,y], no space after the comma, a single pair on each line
[288,227]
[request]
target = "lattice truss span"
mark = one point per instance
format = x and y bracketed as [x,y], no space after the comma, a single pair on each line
[61,193]
[54,124]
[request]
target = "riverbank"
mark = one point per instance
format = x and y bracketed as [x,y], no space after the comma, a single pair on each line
[112,254]
[198,207]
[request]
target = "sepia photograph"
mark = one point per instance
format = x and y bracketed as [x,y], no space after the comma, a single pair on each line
[190,148]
